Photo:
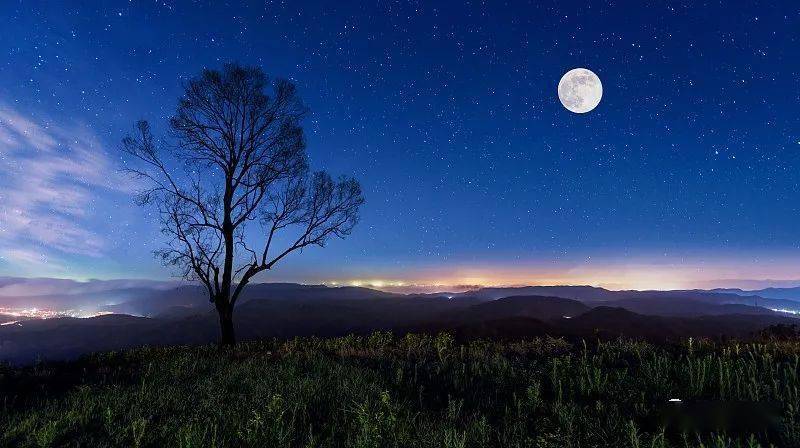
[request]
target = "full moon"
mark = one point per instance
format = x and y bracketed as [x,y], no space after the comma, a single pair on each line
[580,90]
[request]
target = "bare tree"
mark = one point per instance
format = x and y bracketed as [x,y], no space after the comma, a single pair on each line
[233,179]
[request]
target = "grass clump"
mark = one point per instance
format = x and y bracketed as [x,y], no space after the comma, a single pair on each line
[411,391]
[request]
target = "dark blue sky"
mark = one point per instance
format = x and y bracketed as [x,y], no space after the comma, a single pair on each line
[448,115]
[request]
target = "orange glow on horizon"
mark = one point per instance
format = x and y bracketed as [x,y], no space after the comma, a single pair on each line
[681,274]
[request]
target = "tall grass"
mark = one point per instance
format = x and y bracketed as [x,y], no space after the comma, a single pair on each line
[412,391]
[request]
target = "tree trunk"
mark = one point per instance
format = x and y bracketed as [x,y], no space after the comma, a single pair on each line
[227,336]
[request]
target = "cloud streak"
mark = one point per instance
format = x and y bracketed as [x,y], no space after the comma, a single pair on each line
[52,176]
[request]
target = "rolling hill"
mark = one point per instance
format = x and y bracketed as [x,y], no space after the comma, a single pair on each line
[183,316]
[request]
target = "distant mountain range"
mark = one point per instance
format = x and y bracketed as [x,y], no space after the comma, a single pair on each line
[767,293]
[149,298]
[182,315]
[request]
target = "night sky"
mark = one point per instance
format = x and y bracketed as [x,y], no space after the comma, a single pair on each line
[685,174]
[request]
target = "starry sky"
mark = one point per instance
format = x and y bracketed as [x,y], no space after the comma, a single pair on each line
[685,175]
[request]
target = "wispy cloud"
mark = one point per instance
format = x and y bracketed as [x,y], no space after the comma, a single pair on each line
[51,176]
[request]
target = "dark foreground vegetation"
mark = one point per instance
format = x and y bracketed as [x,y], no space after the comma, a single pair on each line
[415,390]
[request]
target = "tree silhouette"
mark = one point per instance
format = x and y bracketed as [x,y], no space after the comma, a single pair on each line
[236,157]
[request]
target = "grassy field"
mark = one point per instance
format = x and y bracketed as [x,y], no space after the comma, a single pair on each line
[413,391]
